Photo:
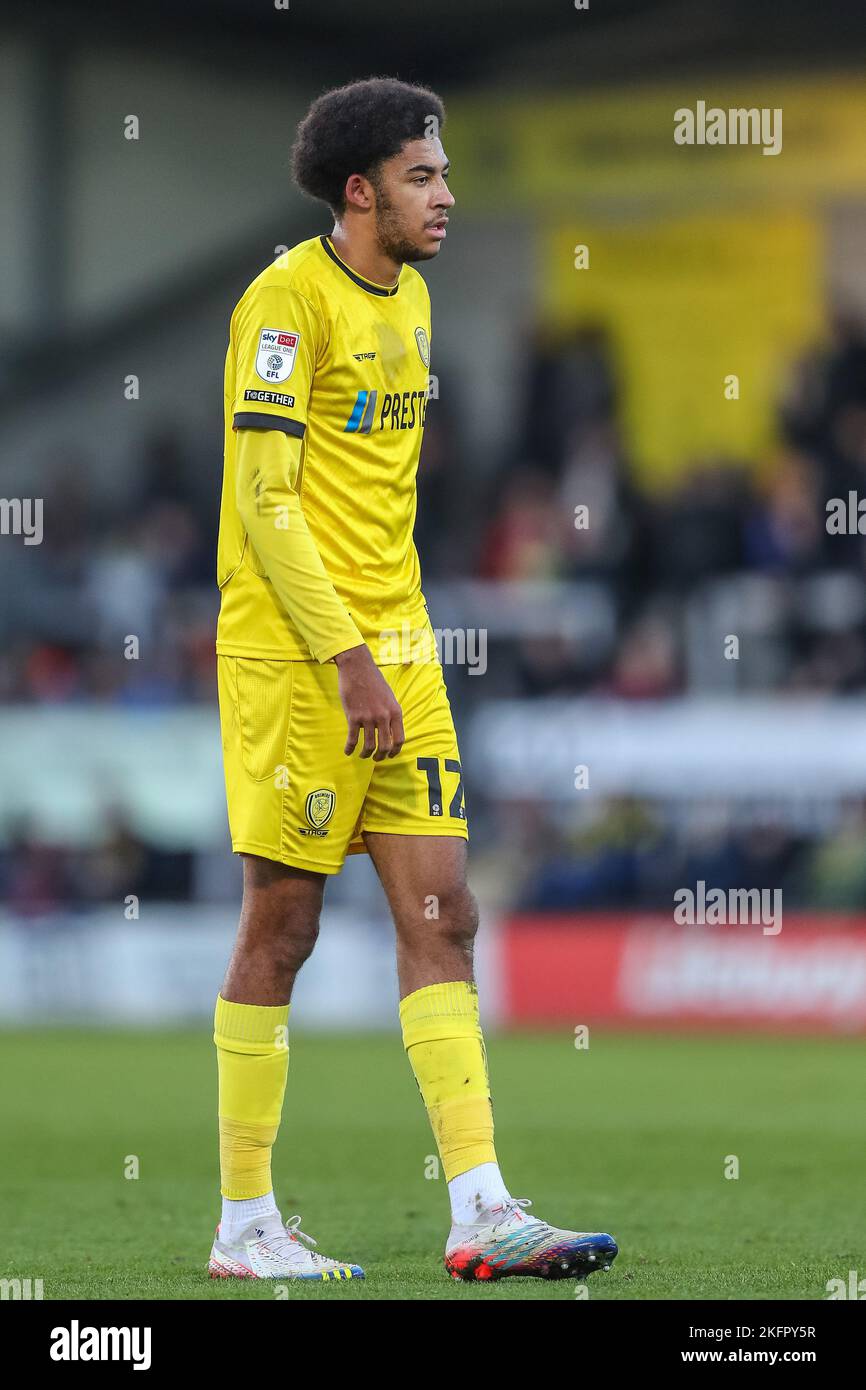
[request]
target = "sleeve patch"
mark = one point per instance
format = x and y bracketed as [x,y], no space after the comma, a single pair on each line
[275,359]
[270,398]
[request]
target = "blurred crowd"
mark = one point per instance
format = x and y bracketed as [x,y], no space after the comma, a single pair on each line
[742,541]
[145,567]
[751,533]
[637,855]
[120,605]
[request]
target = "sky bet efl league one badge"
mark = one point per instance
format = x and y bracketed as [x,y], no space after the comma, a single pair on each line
[276,355]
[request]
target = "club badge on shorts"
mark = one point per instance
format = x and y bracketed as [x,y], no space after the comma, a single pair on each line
[275,358]
[320,807]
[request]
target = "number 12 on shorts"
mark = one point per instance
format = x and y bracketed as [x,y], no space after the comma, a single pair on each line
[431,767]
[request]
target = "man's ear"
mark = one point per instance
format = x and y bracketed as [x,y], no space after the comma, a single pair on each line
[359,192]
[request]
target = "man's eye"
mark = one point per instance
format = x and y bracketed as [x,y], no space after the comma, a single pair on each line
[422,178]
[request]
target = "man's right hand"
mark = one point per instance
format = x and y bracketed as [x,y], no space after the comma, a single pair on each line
[369,704]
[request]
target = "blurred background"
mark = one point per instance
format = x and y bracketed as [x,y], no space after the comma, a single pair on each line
[649,381]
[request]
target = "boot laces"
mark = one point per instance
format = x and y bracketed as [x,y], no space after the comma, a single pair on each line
[284,1245]
[511,1206]
[293,1228]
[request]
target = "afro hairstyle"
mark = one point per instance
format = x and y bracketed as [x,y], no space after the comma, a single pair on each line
[352,129]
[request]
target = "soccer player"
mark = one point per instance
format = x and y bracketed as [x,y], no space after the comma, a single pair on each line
[336,728]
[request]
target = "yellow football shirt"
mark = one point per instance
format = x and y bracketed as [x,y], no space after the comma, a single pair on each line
[340,364]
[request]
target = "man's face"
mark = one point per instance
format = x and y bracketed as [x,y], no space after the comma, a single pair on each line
[412,201]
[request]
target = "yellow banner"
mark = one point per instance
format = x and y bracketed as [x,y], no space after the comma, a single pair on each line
[689,304]
[540,152]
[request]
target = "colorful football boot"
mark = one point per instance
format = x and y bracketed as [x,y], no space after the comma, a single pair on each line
[506,1241]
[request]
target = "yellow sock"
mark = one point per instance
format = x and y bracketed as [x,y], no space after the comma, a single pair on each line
[443,1040]
[253,1062]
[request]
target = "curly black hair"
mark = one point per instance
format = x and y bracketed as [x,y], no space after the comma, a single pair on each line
[352,129]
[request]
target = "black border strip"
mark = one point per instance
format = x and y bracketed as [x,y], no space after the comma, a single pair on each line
[250,420]
[364,284]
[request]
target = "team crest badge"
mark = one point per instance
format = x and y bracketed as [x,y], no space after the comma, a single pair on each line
[320,807]
[275,358]
[423,345]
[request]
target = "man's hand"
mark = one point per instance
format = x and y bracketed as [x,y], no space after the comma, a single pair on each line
[369,703]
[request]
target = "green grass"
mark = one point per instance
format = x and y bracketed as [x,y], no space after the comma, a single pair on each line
[629,1136]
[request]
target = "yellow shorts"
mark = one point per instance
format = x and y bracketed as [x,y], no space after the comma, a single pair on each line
[295,796]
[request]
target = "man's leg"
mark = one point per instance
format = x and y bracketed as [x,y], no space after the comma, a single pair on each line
[278,928]
[436,918]
[274,716]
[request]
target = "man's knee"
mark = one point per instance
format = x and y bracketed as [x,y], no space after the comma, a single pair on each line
[295,944]
[454,915]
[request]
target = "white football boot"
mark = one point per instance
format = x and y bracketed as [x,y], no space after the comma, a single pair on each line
[266,1249]
[505,1241]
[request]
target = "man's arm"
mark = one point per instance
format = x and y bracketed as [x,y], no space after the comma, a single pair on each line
[267,463]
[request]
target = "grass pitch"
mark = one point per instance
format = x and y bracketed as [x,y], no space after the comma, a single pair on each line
[630,1136]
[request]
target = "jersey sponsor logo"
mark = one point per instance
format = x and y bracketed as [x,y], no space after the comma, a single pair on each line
[401,410]
[423,345]
[363,411]
[275,358]
[320,806]
[364,356]
[269,397]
